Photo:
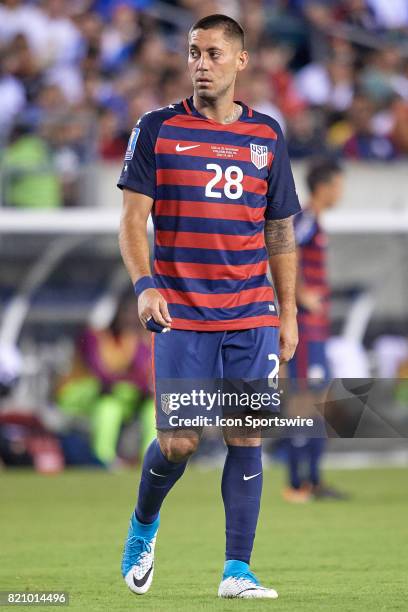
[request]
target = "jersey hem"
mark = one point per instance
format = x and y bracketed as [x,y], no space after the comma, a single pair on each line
[233,324]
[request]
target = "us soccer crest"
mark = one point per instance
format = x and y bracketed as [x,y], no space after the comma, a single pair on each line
[259,155]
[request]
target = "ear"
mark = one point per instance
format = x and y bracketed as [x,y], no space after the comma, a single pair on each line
[243,59]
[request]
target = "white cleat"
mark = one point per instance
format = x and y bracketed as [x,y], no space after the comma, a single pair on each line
[138,557]
[244,588]
[140,576]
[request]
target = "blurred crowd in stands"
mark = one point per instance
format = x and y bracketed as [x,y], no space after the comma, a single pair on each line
[75,77]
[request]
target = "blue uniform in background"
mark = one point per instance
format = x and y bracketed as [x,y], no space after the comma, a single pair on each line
[310,360]
[309,367]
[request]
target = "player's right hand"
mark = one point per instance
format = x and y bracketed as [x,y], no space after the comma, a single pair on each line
[152,305]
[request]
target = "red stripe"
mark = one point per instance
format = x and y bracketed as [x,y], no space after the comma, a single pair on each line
[209,271]
[186,106]
[218,300]
[193,178]
[313,254]
[244,323]
[314,273]
[206,150]
[209,210]
[195,240]
[261,130]
[250,112]
[315,320]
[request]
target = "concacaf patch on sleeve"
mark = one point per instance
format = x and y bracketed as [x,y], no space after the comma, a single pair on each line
[132,144]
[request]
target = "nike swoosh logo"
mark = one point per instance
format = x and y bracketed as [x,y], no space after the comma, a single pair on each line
[253,476]
[144,579]
[179,148]
[154,474]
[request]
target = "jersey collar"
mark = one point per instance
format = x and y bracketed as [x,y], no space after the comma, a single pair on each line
[191,110]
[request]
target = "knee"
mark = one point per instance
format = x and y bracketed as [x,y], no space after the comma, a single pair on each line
[231,440]
[178,449]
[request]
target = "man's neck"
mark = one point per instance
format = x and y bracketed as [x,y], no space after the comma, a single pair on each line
[222,110]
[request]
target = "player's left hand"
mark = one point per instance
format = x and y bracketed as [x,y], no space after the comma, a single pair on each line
[288,335]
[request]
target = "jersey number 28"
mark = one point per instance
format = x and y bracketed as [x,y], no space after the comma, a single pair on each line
[230,181]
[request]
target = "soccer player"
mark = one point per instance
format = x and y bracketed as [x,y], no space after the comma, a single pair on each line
[216,177]
[325,183]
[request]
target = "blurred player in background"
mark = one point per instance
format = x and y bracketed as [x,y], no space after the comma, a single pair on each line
[310,363]
[110,383]
[216,176]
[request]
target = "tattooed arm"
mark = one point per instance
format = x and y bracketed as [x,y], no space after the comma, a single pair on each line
[281,247]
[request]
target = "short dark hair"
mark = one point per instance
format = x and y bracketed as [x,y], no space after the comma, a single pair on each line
[231,28]
[322,171]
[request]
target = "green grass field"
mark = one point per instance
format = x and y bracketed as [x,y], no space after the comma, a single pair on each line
[66,533]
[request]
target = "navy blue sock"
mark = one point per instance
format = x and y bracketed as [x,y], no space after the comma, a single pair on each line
[158,477]
[294,459]
[316,450]
[241,492]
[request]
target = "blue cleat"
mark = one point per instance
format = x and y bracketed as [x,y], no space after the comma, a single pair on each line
[138,555]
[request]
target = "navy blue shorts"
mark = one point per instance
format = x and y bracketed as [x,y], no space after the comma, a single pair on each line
[243,355]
